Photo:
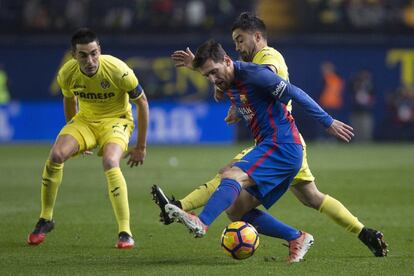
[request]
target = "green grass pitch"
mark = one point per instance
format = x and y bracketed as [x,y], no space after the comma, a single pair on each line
[375,182]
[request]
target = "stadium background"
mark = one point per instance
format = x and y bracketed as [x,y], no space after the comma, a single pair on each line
[355,36]
[190,142]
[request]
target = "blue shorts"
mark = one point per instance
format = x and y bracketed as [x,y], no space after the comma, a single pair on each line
[272,167]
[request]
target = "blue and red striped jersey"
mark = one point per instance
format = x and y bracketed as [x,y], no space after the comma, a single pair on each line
[261,96]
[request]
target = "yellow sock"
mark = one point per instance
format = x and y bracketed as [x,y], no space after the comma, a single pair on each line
[118,194]
[200,196]
[336,211]
[51,179]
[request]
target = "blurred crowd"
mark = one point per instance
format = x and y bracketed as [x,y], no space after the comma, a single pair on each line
[138,16]
[123,15]
[384,16]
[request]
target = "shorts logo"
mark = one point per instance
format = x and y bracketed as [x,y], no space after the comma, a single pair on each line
[280,88]
[105,84]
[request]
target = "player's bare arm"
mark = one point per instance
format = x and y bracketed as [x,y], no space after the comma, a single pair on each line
[341,131]
[137,154]
[69,107]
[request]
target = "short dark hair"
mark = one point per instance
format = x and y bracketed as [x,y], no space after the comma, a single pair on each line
[210,49]
[250,22]
[83,36]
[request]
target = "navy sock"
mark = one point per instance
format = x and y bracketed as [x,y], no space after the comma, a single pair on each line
[224,196]
[267,225]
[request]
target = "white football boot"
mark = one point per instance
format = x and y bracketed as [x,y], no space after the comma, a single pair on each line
[299,247]
[192,222]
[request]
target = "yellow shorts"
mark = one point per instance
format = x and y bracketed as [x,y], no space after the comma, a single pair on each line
[304,174]
[91,134]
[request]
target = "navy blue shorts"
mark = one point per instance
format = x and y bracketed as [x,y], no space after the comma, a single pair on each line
[272,167]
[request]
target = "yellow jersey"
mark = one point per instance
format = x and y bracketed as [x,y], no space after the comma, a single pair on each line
[105,94]
[270,56]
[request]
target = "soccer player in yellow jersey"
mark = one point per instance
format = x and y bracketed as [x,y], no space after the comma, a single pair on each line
[101,86]
[249,36]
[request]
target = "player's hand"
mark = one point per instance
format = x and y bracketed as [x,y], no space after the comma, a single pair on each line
[87,152]
[341,131]
[218,94]
[183,58]
[232,117]
[136,156]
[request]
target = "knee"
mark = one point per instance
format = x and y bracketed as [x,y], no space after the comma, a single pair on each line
[313,200]
[58,156]
[110,162]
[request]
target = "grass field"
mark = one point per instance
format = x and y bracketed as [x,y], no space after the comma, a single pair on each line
[376,182]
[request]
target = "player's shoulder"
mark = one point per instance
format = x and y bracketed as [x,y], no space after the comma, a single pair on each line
[266,52]
[114,66]
[69,67]
[67,71]
[251,71]
[113,62]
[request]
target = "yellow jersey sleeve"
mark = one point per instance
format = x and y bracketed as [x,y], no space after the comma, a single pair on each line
[127,80]
[64,76]
[271,56]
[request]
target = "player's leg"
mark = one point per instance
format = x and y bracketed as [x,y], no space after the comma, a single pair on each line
[244,209]
[305,189]
[310,196]
[197,198]
[114,137]
[229,189]
[64,147]
[200,196]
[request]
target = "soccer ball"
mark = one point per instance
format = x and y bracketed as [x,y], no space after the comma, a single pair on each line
[239,240]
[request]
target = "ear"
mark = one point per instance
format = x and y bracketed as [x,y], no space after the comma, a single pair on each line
[227,60]
[257,36]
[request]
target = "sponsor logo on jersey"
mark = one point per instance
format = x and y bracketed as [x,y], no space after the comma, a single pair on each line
[246,112]
[280,88]
[105,84]
[94,96]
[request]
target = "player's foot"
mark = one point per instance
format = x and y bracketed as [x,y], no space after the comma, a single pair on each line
[192,222]
[43,226]
[299,247]
[161,200]
[125,241]
[374,240]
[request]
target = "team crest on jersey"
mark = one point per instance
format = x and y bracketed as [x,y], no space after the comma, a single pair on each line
[243,99]
[105,84]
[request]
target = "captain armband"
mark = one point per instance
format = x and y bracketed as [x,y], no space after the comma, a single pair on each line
[136,93]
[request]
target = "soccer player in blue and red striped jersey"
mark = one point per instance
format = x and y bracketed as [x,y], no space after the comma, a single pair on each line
[264,174]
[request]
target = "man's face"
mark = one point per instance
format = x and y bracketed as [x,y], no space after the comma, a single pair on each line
[87,56]
[246,44]
[220,73]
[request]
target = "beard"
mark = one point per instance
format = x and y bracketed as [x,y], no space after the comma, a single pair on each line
[246,57]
